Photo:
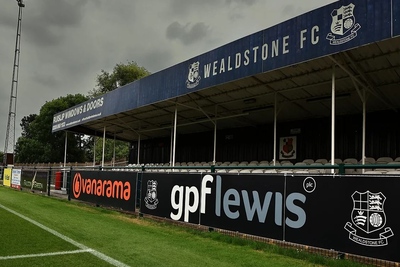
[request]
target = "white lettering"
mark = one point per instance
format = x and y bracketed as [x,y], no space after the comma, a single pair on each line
[264,52]
[229,202]
[205,190]
[302,38]
[177,206]
[246,56]
[215,68]
[275,47]
[285,50]
[207,69]
[255,53]
[222,66]
[191,191]
[314,35]
[229,63]
[237,60]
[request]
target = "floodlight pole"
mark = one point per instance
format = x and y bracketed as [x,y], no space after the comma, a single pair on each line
[8,158]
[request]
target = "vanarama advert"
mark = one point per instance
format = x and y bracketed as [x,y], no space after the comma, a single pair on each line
[105,188]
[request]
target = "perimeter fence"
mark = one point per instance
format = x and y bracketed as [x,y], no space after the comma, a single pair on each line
[280,204]
[55,179]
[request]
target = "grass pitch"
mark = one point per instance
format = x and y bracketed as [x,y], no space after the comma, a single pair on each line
[41,231]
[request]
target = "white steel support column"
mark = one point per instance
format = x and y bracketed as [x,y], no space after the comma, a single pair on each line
[364,100]
[113,161]
[363,96]
[275,119]
[65,161]
[174,141]
[333,118]
[215,137]
[94,150]
[65,148]
[104,144]
[171,145]
[138,150]
[215,143]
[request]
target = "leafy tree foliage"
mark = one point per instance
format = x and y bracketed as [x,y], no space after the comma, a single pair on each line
[121,149]
[25,122]
[39,144]
[122,74]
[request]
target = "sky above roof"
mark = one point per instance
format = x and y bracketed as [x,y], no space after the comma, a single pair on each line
[66,43]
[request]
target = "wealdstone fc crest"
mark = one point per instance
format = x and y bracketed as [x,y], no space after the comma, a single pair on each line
[368,215]
[344,27]
[193,78]
[151,200]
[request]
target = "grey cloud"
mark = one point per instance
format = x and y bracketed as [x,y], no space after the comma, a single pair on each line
[290,10]
[44,21]
[187,34]
[44,80]
[155,60]
[188,6]
[9,18]
[246,2]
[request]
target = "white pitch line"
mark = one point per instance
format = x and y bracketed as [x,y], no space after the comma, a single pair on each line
[44,254]
[69,240]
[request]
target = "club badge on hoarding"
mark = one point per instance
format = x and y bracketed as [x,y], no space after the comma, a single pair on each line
[368,215]
[344,26]
[193,78]
[151,195]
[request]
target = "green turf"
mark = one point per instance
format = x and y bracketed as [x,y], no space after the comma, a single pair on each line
[75,260]
[139,242]
[34,240]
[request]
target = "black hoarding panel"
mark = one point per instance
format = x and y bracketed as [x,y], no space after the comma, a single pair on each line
[173,196]
[245,203]
[356,215]
[113,189]
[34,180]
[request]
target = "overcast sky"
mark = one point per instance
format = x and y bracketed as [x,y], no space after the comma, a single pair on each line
[66,43]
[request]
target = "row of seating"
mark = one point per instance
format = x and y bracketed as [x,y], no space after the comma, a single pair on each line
[243,166]
[368,160]
[271,171]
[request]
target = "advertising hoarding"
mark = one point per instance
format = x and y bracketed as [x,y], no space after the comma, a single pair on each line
[113,189]
[34,179]
[16,179]
[178,193]
[357,215]
[7,172]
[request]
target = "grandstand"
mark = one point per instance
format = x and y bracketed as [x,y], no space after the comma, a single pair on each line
[281,85]
[316,97]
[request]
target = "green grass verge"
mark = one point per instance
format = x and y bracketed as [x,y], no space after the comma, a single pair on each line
[35,240]
[136,241]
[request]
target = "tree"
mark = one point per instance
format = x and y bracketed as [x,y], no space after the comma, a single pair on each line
[25,122]
[121,149]
[37,142]
[122,74]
